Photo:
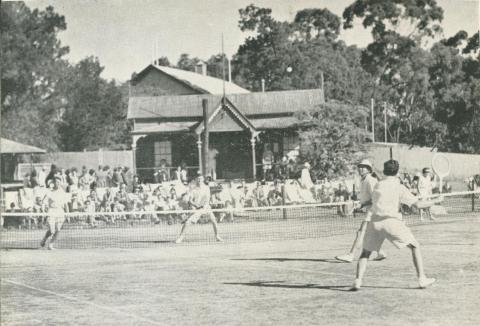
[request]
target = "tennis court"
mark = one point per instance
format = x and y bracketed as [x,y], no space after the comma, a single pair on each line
[242,282]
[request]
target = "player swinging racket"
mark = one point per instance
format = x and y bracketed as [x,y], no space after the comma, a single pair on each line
[387,223]
[199,199]
[365,196]
[57,201]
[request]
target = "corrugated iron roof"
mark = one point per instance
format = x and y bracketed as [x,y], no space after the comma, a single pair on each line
[274,123]
[209,84]
[149,128]
[8,146]
[249,104]
[170,127]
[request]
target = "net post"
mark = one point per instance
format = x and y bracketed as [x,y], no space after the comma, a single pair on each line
[473,196]
[284,210]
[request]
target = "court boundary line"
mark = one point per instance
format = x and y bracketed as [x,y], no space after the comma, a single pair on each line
[117,311]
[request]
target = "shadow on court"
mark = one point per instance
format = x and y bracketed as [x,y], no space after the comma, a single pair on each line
[317,260]
[281,284]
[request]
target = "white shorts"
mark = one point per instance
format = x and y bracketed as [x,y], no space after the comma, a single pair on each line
[391,229]
[55,219]
[201,212]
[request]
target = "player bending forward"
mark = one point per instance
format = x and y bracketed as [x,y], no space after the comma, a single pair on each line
[200,200]
[365,196]
[57,202]
[387,223]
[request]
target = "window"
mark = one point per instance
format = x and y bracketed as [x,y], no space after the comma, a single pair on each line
[291,146]
[162,151]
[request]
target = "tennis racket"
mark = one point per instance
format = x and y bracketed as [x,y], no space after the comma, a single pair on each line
[441,167]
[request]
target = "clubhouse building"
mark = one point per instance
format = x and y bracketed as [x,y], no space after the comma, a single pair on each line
[171,109]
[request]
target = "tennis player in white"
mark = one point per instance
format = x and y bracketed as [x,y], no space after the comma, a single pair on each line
[387,223]
[365,197]
[57,202]
[425,190]
[200,200]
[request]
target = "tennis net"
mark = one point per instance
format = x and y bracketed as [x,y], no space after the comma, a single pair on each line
[24,230]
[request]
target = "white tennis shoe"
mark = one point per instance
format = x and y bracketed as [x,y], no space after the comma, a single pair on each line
[424,282]
[348,258]
[356,285]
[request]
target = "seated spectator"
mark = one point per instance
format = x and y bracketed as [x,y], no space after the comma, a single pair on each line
[162,174]
[122,197]
[75,205]
[89,207]
[275,194]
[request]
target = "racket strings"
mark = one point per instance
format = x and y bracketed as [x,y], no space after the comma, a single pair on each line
[441,165]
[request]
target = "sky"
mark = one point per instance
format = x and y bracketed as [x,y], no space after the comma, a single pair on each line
[124,34]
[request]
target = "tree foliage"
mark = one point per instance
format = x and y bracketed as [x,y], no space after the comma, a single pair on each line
[296,55]
[332,137]
[95,114]
[32,69]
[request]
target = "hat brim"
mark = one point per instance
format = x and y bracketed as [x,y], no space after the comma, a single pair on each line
[364,166]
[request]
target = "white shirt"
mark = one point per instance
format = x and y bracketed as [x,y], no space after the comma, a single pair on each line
[200,195]
[305,179]
[366,188]
[57,199]
[387,196]
[425,185]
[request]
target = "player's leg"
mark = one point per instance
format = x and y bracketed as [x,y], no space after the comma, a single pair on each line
[214,225]
[45,238]
[192,219]
[51,230]
[430,215]
[182,231]
[361,268]
[356,244]
[401,236]
[58,227]
[423,280]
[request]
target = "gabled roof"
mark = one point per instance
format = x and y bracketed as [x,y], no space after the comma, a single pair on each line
[228,107]
[204,84]
[268,103]
[12,147]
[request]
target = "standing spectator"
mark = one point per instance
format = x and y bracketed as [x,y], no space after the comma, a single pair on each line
[212,162]
[92,179]
[305,178]
[116,177]
[108,176]
[267,161]
[73,180]
[283,169]
[127,175]
[42,176]
[84,180]
[53,171]
[101,177]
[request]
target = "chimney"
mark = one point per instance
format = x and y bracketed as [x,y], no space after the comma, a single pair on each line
[201,68]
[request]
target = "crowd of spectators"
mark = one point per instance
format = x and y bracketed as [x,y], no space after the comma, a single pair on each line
[118,190]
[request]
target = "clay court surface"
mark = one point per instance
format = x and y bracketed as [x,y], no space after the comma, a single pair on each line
[288,282]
